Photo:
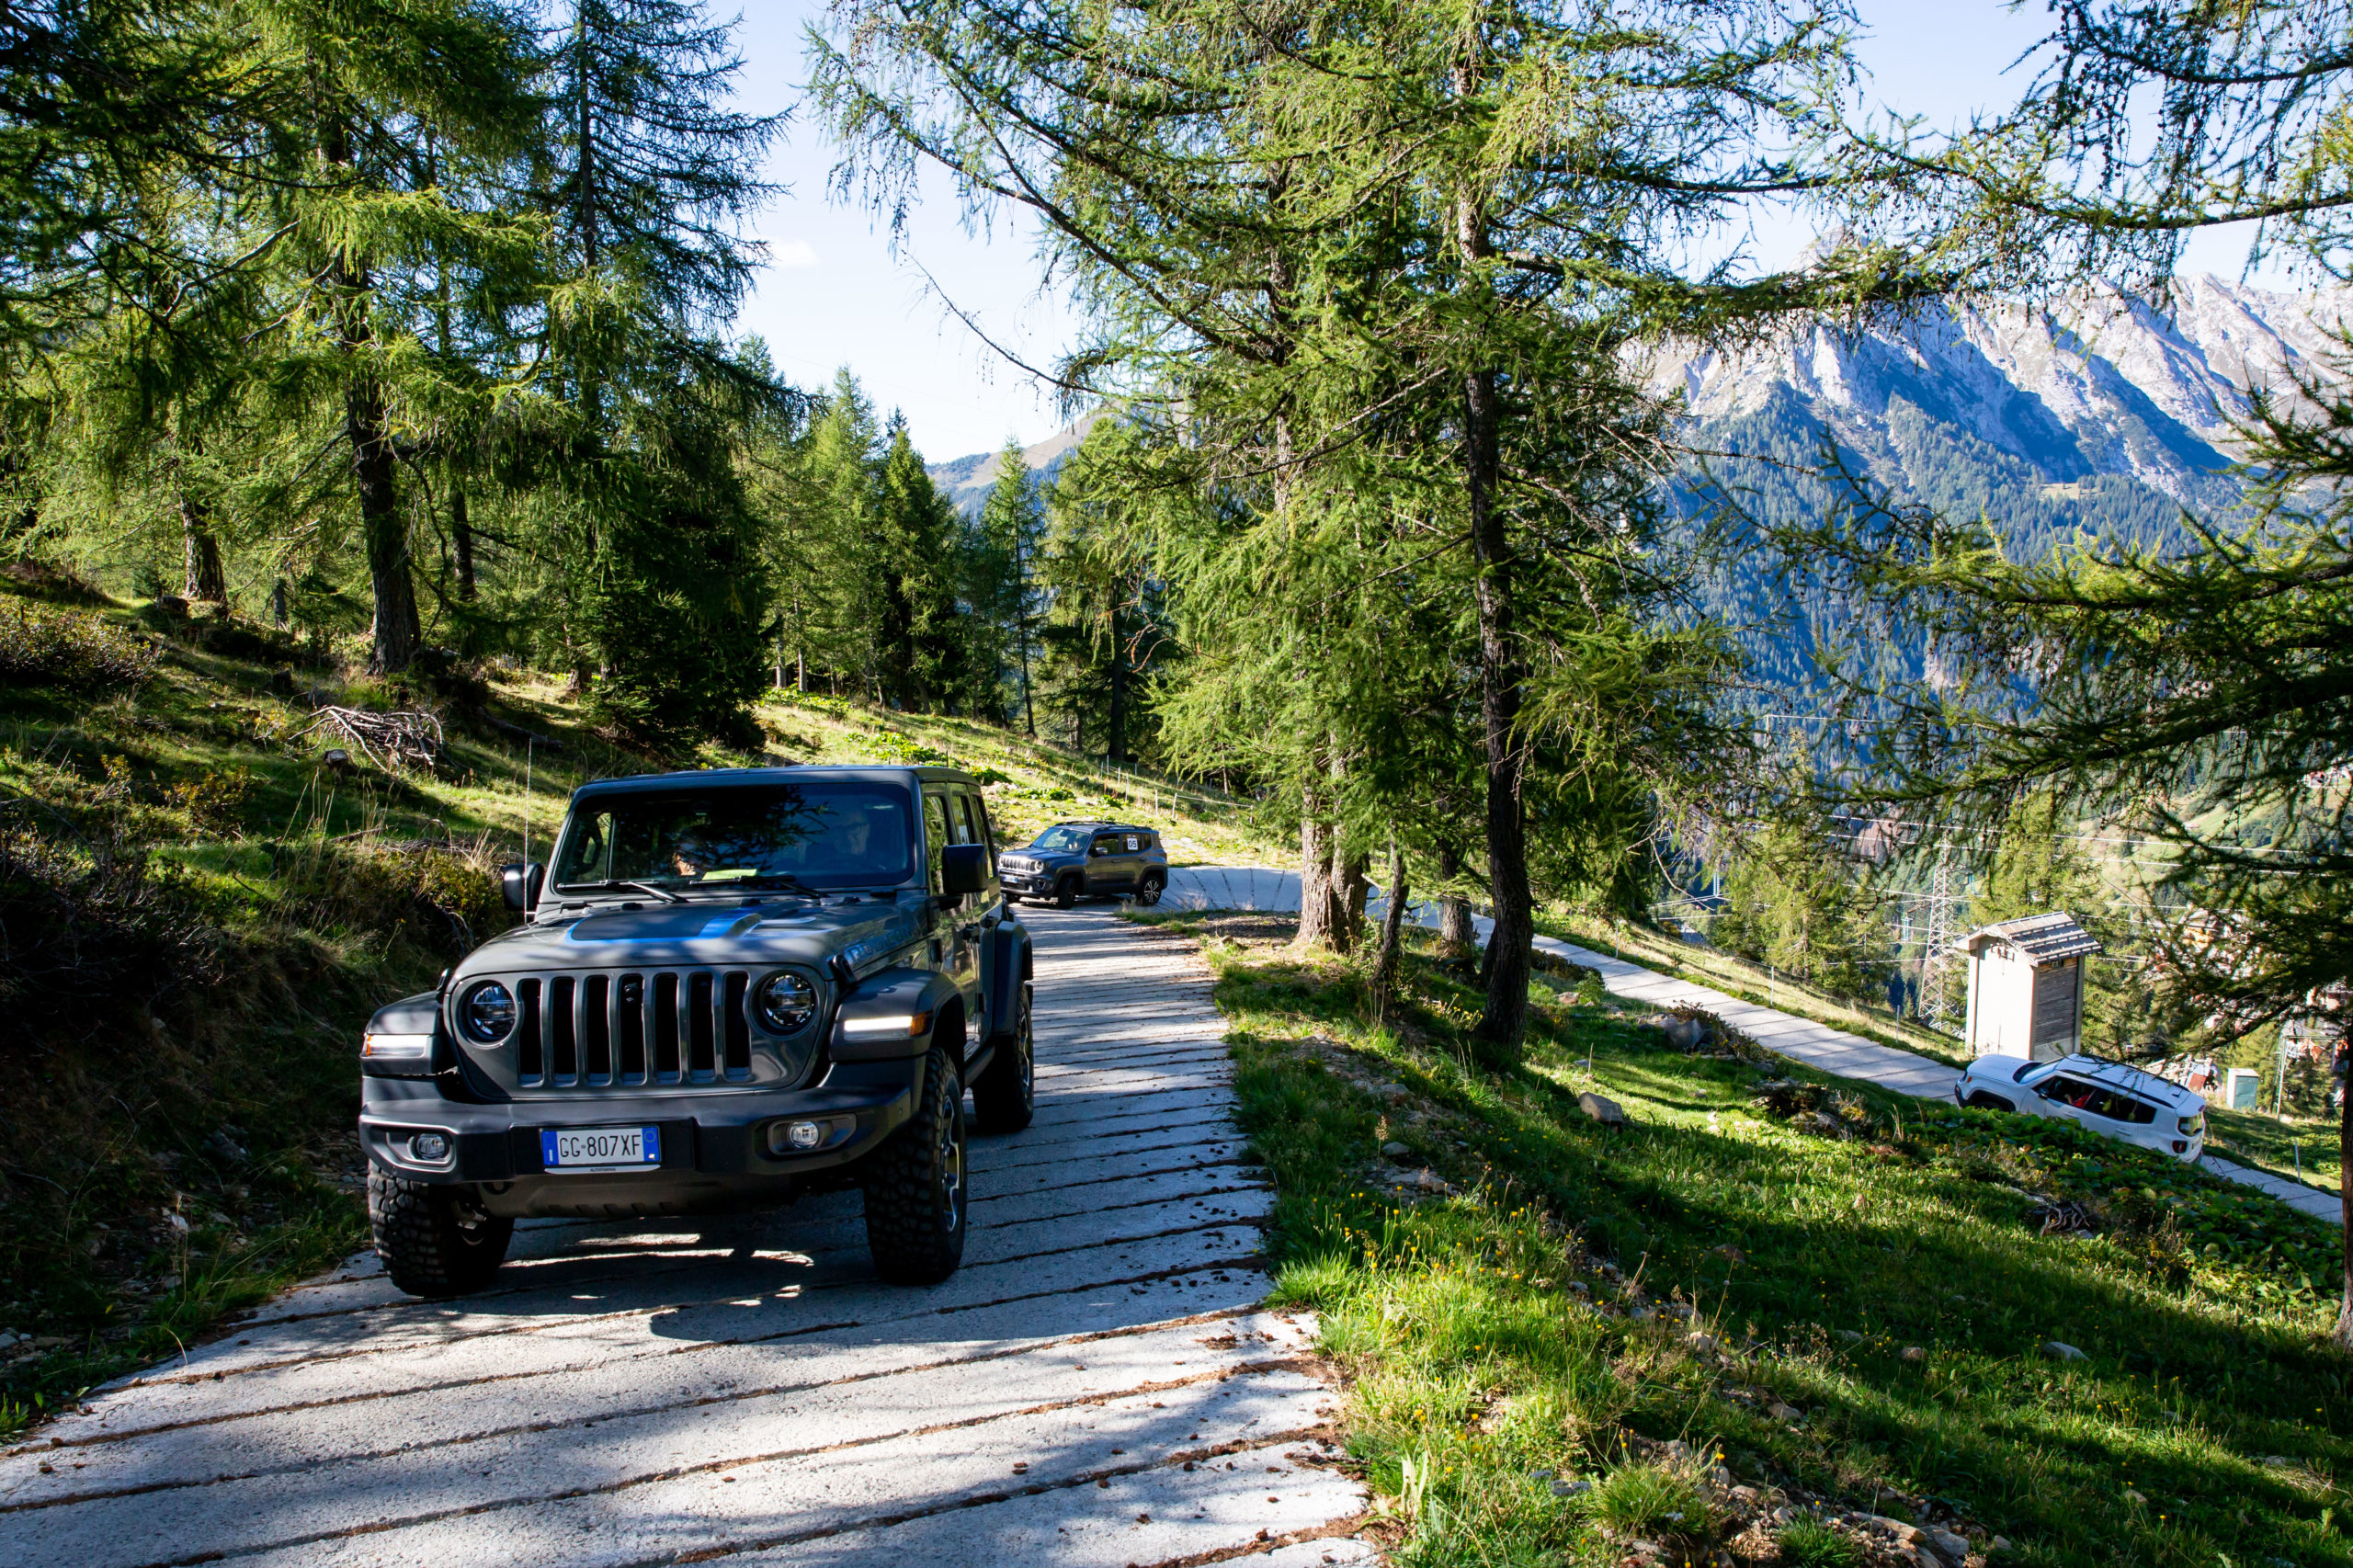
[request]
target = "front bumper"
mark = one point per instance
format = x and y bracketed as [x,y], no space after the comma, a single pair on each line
[714,1142]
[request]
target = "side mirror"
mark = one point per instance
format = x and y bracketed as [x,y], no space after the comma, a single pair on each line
[520,884]
[963,869]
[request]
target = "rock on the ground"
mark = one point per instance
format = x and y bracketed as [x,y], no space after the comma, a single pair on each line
[1915,1354]
[1394,1150]
[1952,1549]
[1603,1109]
[1684,1033]
[2060,1350]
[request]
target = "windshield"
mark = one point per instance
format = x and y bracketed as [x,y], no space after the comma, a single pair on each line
[820,834]
[1062,838]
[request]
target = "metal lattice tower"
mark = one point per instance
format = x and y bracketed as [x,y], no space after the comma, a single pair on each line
[1937,962]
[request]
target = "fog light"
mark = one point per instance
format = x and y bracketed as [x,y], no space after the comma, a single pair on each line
[430,1147]
[795,1137]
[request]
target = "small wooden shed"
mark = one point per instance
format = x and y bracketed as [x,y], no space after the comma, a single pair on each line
[2026,986]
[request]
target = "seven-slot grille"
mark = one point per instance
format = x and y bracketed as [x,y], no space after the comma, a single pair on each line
[619,1030]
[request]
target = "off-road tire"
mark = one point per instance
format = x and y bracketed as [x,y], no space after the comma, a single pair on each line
[1012,898]
[1005,1096]
[1066,894]
[433,1241]
[915,1184]
[1148,890]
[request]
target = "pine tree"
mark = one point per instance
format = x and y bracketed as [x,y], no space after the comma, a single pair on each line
[1012,530]
[648,176]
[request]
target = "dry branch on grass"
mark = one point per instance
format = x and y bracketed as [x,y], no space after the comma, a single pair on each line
[391,740]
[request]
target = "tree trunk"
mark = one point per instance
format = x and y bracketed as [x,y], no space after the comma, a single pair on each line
[205,581]
[1457,934]
[1314,870]
[1115,743]
[1350,890]
[2345,1180]
[1392,921]
[384,532]
[1504,1021]
[461,535]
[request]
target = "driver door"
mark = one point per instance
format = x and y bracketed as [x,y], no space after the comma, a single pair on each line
[1111,865]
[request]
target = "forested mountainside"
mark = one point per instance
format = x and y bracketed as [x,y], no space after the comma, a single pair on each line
[2104,417]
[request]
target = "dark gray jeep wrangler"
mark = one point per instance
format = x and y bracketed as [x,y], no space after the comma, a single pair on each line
[735,987]
[1074,859]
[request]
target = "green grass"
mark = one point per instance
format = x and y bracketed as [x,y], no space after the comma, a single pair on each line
[1477,1370]
[2302,1148]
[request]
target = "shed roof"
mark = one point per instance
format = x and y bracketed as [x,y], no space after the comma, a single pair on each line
[2043,939]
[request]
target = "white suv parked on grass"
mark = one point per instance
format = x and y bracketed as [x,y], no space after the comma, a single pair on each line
[2107,1097]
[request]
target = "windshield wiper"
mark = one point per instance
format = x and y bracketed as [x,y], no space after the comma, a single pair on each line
[665,894]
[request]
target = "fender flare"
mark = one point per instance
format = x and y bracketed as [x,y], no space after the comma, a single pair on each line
[1007,962]
[892,993]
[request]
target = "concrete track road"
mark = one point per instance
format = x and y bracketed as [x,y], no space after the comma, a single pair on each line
[1094,1387]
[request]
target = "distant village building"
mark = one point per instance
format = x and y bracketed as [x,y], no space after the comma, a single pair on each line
[2026,986]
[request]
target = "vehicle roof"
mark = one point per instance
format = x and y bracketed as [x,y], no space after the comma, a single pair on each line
[2121,1075]
[732,777]
[1101,823]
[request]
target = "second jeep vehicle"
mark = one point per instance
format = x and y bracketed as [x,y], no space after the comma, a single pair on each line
[732,987]
[1075,859]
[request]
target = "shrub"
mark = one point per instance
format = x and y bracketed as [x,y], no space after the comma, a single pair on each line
[71,649]
[85,928]
[215,803]
[444,897]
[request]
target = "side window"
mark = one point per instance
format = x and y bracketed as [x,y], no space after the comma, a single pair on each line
[935,835]
[972,823]
[591,856]
[1107,844]
[1133,843]
[2069,1091]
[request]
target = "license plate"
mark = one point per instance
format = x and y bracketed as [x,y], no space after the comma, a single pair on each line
[599,1148]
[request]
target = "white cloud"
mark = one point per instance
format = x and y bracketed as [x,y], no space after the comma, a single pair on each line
[795,253]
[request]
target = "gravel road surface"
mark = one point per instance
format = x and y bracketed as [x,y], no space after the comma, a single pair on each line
[1095,1386]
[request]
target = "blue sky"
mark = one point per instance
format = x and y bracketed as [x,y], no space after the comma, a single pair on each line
[835,294]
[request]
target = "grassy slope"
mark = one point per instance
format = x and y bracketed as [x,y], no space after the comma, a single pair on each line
[2267,1141]
[160,1172]
[1477,1367]
[1736,977]
[2298,1147]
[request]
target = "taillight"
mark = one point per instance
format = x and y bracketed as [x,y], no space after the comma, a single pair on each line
[2181,1145]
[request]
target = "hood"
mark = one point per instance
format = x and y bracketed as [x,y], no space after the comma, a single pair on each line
[718,932]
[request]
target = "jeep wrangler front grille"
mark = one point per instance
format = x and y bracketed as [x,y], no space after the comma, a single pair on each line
[626,1030]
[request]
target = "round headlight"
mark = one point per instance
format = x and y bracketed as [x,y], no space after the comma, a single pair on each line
[487,1014]
[785,1003]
